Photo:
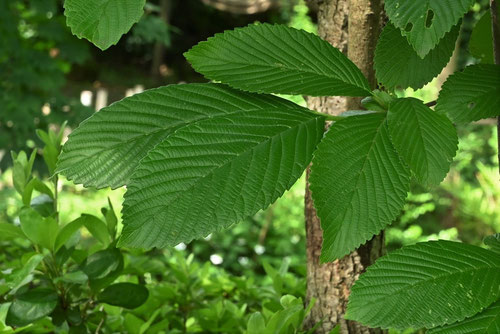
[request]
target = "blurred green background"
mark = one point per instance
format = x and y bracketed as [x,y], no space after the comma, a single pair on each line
[48,76]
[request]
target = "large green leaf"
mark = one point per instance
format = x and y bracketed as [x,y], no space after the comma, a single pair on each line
[486,322]
[268,58]
[425,22]
[124,294]
[481,39]
[426,140]
[358,183]
[106,148]
[398,65]
[31,306]
[426,285]
[215,172]
[102,22]
[472,94]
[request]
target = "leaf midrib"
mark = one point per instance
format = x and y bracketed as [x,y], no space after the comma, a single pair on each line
[289,68]
[426,281]
[362,171]
[173,130]
[236,156]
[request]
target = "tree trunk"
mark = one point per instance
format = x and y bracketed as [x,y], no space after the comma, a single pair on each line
[353,27]
[159,48]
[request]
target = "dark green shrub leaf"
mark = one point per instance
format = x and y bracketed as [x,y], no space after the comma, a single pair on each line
[266,58]
[31,306]
[231,165]
[358,183]
[472,94]
[425,22]
[480,43]
[40,230]
[96,227]
[106,148]
[426,140]
[398,65]
[127,295]
[67,232]
[76,277]
[486,322]
[23,276]
[102,263]
[102,22]
[426,285]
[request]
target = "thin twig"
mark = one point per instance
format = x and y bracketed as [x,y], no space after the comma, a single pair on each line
[495,31]
[431,104]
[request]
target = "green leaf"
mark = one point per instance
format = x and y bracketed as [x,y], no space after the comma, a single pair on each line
[96,227]
[40,230]
[486,322]
[102,22]
[358,183]
[76,277]
[425,22]
[426,140]
[398,66]
[106,148]
[65,233]
[480,43]
[266,58]
[10,231]
[102,263]
[256,324]
[472,94]
[127,295]
[35,184]
[22,276]
[426,285]
[31,306]
[232,166]
[111,219]
[493,242]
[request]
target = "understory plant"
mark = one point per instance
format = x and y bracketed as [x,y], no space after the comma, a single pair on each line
[61,276]
[197,158]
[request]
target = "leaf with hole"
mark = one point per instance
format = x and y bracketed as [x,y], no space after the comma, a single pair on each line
[472,94]
[486,322]
[127,295]
[102,22]
[266,58]
[426,285]
[397,65]
[231,165]
[106,148]
[358,183]
[427,141]
[425,22]
[31,306]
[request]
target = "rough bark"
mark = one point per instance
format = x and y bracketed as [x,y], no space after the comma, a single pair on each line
[343,23]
